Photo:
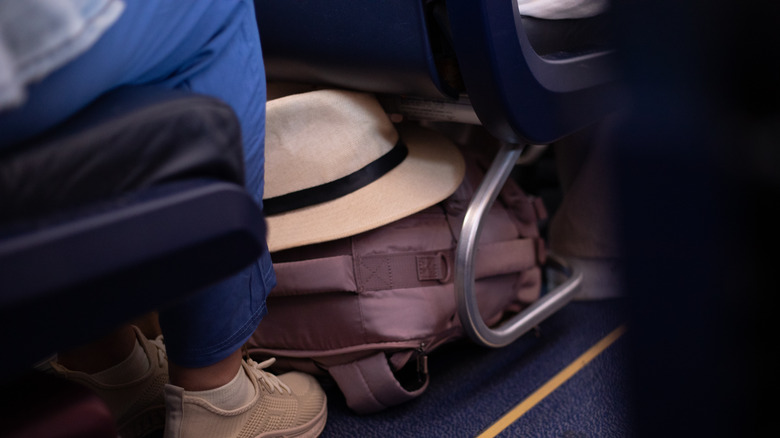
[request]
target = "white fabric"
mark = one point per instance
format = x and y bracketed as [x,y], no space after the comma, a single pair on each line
[562,9]
[233,395]
[39,36]
[134,367]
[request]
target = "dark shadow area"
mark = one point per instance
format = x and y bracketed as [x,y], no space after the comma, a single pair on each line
[699,184]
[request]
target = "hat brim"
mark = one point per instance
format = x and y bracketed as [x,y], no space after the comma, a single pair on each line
[431,172]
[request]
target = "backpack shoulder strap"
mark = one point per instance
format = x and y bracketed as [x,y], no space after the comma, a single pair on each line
[369,384]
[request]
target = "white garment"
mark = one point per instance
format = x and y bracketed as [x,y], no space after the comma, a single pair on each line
[39,36]
[562,9]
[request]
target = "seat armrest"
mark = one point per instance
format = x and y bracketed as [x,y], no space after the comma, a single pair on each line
[129,139]
[133,203]
[99,268]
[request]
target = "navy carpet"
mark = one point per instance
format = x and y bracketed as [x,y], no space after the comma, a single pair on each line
[472,387]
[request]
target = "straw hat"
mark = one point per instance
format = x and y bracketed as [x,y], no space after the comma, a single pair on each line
[336,166]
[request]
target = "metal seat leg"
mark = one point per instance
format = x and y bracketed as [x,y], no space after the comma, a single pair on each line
[465,257]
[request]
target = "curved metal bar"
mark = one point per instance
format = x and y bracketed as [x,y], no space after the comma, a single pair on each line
[465,257]
[531,153]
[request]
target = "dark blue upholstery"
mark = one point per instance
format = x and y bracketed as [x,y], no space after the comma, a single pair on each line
[71,273]
[528,80]
[378,46]
[519,95]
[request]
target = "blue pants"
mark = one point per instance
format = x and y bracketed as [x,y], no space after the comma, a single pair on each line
[211,47]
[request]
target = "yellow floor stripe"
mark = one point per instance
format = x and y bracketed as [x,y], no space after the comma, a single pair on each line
[552,384]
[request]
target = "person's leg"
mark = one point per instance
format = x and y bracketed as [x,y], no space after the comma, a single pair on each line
[113,347]
[128,371]
[165,42]
[208,47]
[211,48]
[584,227]
[207,377]
[212,391]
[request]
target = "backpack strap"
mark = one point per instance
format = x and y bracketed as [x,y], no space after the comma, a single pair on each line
[369,384]
[396,271]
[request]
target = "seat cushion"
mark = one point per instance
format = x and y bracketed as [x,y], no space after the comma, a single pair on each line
[127,140]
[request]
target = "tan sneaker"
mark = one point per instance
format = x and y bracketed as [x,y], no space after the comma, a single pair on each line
[138,406]
[290,405]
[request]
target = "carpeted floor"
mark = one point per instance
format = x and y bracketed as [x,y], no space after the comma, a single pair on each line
[473,387]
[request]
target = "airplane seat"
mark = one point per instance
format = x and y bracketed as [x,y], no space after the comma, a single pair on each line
[527,81]
[126,207]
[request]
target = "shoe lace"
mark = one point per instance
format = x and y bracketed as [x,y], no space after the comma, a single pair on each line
[270,381]
[162,357]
